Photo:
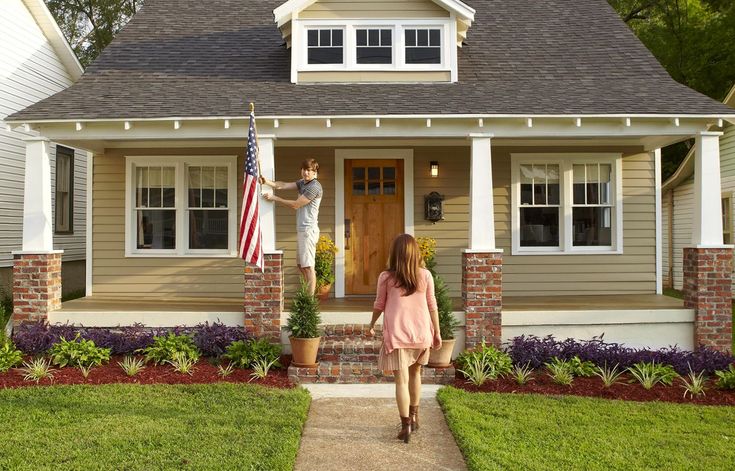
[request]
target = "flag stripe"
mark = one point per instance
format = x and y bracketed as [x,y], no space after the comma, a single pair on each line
[250,242]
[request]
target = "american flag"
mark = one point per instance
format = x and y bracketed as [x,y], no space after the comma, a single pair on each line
[251,244]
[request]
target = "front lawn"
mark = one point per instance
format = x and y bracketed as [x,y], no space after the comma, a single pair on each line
[508,431]
[132,427]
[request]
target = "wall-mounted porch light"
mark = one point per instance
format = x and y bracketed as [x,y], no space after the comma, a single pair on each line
[434,168]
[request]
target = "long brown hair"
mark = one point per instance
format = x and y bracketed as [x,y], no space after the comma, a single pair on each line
[404,263]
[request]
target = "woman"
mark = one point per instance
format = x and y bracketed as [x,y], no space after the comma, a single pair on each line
[411,326]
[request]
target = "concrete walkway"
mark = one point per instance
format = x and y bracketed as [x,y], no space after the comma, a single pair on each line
[354,427]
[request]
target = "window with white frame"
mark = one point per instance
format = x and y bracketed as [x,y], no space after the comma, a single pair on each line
[64,197]
[566,203]
[727,219]
[374,45]
[423,46]
[325,46]
[181,206]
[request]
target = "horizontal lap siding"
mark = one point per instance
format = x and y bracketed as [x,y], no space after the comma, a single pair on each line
[36,74]
[631,272]
[116,275]
[328,9]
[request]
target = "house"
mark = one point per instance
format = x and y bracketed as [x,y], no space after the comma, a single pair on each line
[678,201]
[35,63]
[538,123]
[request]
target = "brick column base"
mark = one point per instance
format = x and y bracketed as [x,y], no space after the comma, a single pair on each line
[482,297]
[263,298]
[36,286]
[708,290]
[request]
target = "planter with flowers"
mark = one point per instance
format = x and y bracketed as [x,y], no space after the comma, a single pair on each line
[324,266]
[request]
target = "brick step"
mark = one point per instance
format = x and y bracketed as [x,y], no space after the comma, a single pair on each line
[357,349]
[361,373]
[349,331]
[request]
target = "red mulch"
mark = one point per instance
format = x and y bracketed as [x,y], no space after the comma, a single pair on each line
[204,373]
[593,387]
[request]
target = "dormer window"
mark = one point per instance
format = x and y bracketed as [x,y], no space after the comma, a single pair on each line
[374,46]
[423,46]
[325,46]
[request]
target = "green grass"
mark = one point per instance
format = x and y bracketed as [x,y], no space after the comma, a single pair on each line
[532,432]
[675,293]
[132,427]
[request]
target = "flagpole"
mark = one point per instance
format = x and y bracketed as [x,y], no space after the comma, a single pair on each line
[257,144]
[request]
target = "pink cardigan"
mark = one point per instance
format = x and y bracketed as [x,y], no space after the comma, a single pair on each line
[407,322]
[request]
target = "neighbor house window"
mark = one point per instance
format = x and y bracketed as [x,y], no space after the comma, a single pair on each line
[181,206]
[64,198]
[423,46]
[727,219]
[566,203]
[374,46]
[325,46]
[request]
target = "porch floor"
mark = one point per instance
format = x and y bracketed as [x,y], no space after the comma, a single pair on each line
[364,304]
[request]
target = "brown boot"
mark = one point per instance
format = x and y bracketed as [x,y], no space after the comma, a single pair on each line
[413,412]
[405,432]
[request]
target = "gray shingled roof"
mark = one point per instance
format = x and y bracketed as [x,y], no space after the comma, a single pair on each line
[193,58]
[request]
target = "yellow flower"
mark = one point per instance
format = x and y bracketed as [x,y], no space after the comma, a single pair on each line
[325,245]
[427,246]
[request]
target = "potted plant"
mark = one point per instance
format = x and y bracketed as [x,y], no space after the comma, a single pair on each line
[441,358]
[324,266]
[303,325]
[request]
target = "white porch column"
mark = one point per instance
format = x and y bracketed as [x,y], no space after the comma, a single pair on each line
[37,210]
[482,209]
[707,226]
[267,210]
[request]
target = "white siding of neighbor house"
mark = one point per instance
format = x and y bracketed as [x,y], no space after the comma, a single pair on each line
[683,207]
[30,70]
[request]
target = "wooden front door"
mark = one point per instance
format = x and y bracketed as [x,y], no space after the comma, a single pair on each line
[373,217]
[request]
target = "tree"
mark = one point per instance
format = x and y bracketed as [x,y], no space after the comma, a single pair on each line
[90,25]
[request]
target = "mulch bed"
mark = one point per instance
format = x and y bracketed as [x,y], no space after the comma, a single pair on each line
[204,373]
[593,387]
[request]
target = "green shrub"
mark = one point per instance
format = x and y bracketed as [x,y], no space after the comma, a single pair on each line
[78,352]
[609,376]
[576,366]
[650,374]
[447,321]
[303,323]
[245,354]
[522,374]
[9,356]
[37,369]
[182,363]
[560,372]
[165,348]
[693,384]
[726,378]
[493,361]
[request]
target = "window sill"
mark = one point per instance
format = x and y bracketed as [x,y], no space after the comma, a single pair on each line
[180,255]
[570,252]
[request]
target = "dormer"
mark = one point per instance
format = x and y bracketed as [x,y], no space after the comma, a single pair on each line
[357,41]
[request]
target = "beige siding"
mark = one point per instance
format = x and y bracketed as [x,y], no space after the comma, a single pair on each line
[328,9]
[399,76]
[116,275]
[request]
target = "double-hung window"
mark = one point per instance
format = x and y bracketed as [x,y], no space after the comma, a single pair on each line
[325,45]
[181,206]
[566,203]
[423,46]
[374,45]
[727,219]
[64,197]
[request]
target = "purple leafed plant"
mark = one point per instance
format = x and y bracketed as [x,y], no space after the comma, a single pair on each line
[536,351]
[34,338]
[213,339]
[121,340]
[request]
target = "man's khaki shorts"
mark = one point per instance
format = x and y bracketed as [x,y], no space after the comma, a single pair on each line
[306,246]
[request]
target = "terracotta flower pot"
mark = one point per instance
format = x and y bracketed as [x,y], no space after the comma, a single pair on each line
[304,351]
[442,358]
[322,292]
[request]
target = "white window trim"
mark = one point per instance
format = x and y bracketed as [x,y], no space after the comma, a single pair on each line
[565,162]
[299,58]
[180,205]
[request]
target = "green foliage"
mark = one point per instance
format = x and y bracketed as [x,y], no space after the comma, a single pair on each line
[9,356]
[726,378]
[650,374]
[244,353]
[78,352]
[164,348]
[492,361]
[131,365]
[609,376]
[324,261]
[447,321]
[85,369]
[225,371]
[522,374]
[37,369]
[576,366]
[475,370]
[693,384]
[182,363]
[560,372]
[261,367]
[6,311]
[303,323]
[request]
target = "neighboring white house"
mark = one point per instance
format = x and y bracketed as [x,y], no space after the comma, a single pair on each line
[37,62]
[678,201]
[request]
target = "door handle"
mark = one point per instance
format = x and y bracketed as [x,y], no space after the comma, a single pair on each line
[348,233]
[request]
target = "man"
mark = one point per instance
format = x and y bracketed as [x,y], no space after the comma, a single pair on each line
[307,215]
